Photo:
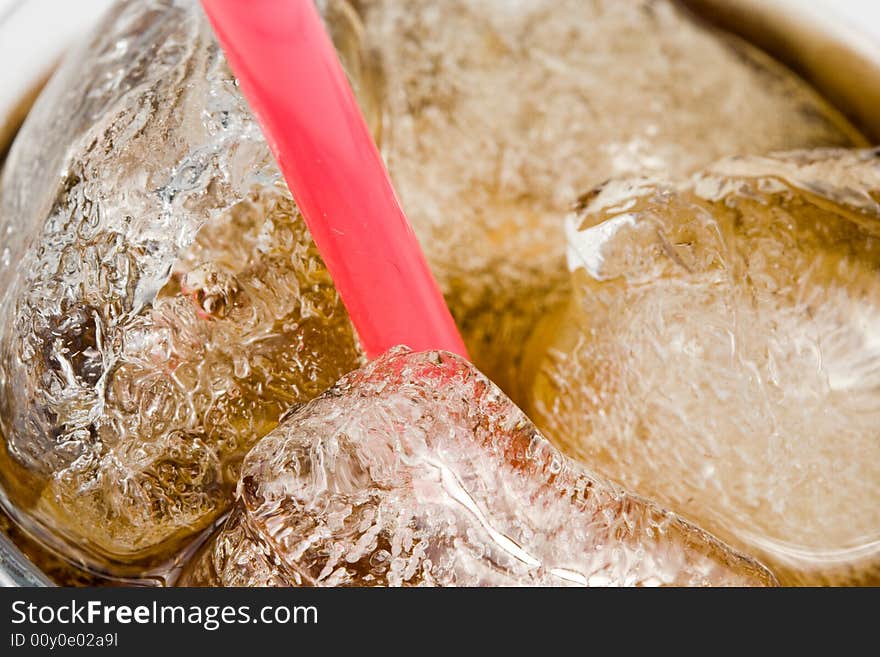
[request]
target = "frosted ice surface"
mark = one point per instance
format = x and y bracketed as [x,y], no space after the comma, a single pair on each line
[498,113]
[721,353]
[417,470]
[163,302]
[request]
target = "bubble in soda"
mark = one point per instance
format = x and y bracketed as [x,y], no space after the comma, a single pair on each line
[418,471]
[720,353]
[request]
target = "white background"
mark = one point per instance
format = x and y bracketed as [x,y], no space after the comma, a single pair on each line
[861,13]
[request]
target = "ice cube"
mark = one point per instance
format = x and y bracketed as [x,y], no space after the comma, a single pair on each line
[721,353]
[498,113]
[163,302]
[417,470]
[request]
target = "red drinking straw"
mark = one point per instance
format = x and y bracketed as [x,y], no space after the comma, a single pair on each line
[290,75]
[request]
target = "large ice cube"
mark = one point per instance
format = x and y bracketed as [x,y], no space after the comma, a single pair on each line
[162,301]
[417,470]
[721,353]
[498,113]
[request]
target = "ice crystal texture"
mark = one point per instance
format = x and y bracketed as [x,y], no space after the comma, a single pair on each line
[498,113]
[721,354]
[417,470]
[163,302]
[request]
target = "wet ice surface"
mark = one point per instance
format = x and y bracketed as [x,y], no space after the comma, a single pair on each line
[417,470]
[497,114]
[163,301]
[721,354]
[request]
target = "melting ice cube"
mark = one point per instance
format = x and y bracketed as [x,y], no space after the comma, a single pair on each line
[721,353]
[417,470]
[164,304]
[499,113]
